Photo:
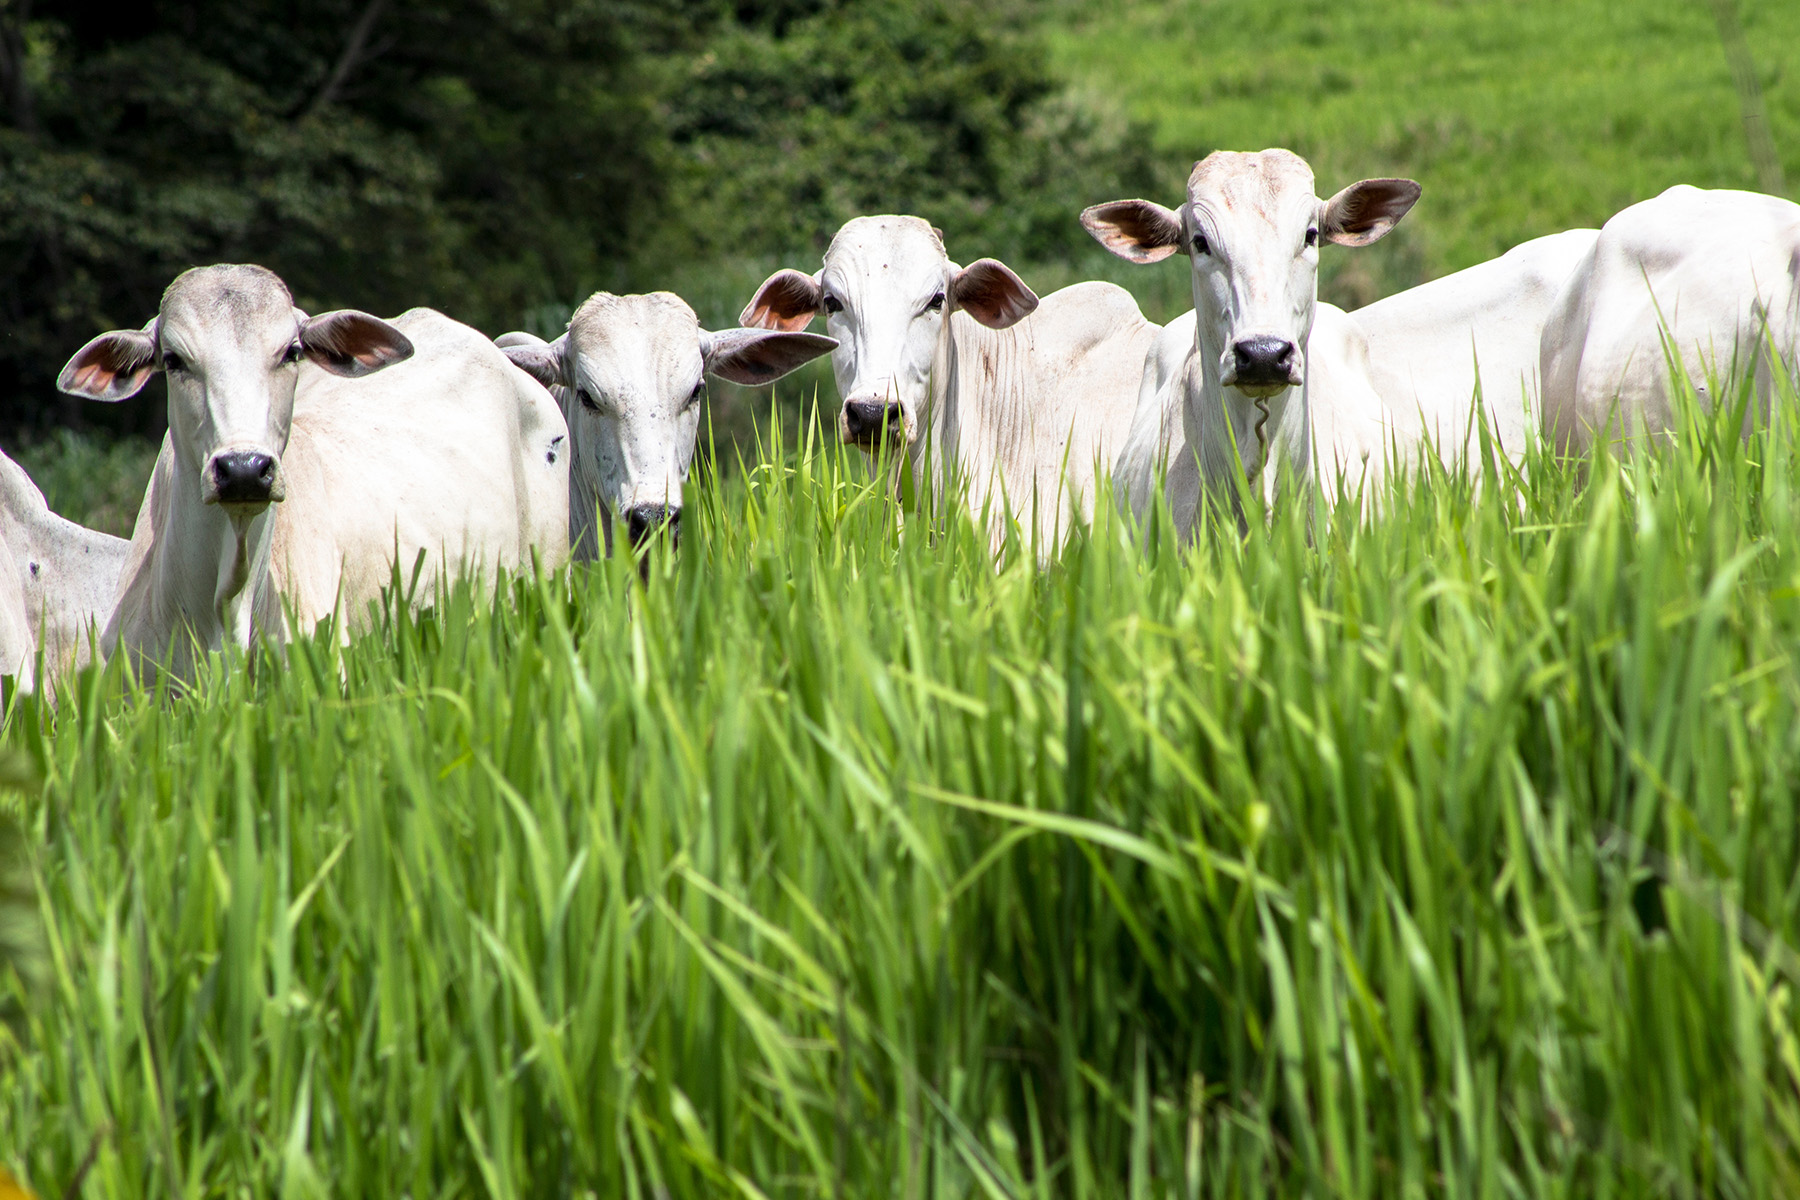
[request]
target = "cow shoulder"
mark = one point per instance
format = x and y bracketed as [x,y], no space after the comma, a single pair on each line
[1089,314]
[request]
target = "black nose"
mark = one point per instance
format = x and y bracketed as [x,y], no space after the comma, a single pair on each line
[244,477]
[1264,362]
[645,520]
[871,420]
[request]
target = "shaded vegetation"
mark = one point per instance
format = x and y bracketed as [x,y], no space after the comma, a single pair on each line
[492,158]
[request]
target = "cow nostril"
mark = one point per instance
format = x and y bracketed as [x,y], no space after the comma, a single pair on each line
[1263,360]
[870,420]
[645,520]
[244,477]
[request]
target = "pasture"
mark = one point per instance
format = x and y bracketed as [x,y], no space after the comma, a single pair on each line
[1446,852]
[1444,855]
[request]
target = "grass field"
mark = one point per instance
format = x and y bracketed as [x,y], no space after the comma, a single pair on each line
[1450,854]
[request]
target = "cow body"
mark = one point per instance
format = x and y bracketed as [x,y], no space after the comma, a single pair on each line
[975,383]
[57,580]
[18,647]
[287,478]
[1028,416]
[1431,346]
[1715,272]
[490,488]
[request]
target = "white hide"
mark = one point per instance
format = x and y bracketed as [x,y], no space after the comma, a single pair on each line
[630,376]
[1272,380]
[448,451]
[61,576]
[18,648]
[1426,343]
[990,386]
[1156,445]
[1715,272]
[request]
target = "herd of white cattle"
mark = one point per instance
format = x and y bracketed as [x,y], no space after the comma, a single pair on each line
[309,458]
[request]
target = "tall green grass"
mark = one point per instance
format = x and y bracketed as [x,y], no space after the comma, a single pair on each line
[1448,853]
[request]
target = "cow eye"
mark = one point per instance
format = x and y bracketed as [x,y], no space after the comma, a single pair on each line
[1200,246]
[1312,237]
[833,304]
[587,401]
[936,303]
[173,361]
[694,396]
[292,354]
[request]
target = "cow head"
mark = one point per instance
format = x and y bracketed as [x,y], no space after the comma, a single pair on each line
[1251,228]
[229,340]
[887,290]
[630,374]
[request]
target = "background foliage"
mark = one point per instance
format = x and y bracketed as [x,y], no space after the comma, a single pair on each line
[494,157]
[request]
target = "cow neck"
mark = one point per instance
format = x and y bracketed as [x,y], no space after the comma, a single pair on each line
[931,455]
[590,518]
[214,569]
[1215,416]
[979,423]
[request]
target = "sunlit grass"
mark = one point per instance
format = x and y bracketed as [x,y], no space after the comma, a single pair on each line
[1446,853]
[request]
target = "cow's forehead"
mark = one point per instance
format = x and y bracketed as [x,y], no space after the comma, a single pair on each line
[232,298]
[905,246]
[1266,184]
[660,320]
[636,342]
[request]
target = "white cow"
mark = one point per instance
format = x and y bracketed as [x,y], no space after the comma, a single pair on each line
[1426,343]
[630,374]
[1273,383]
[285,478]
[57,580]
[1715,272]
[1428,349]
[968,372]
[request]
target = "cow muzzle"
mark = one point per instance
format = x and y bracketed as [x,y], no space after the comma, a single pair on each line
[645,521]
[243,477]
[870,423]
[1261,366]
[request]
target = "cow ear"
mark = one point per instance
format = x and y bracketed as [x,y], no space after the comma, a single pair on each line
[353,343]
[787,300]
[543,361]
[1365,212]
[112,366]
[989,291]
[1136,230]
[757,356]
